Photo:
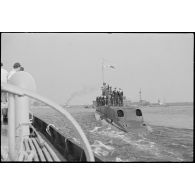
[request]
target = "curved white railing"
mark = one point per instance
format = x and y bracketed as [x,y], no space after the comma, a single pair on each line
[23,92]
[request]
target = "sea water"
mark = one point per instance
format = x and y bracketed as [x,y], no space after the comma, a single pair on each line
[169,116]
[169,137]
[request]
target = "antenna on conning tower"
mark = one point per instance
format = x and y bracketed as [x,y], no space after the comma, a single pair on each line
[140,95]
[103,70]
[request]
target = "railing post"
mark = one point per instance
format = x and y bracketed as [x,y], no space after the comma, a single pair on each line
[11,127]
[22,106]
[22,115]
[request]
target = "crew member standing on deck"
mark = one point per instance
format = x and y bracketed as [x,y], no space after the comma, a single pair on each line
[103,89]
[109,96]
[106,99]
[121,97]
[118,98]
[103,101]
[97,101]
[111,99]
[100,100]
[16,68]
[114,96]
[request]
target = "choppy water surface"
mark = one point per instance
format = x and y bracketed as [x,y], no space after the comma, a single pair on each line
[164,141]
[171,116]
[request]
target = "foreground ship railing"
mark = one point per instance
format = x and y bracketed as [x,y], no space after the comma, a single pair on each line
[18,111]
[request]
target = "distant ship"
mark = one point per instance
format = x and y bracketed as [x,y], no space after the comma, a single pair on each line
[159,104]
[125,118]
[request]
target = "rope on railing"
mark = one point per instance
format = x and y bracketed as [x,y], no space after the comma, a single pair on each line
[23,92]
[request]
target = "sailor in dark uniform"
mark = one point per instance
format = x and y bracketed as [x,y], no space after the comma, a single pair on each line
[109,95]
[110,90]
[114,96]
[121,98]
[117,98]
[106,100]
[111,99]
[103,101]
[97,101]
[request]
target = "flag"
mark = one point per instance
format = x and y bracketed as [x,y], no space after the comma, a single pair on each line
[109,66]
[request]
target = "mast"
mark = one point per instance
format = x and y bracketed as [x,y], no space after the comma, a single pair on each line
[103,70]
[140,96]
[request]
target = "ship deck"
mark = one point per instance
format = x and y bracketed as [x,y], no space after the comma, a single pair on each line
[34,149]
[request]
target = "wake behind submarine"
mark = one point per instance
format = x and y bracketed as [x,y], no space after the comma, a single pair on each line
[110,107]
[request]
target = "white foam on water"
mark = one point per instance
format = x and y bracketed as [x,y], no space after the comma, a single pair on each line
[100,144]
[175,156]
[101,149]
[108,128]
[104,122]
[141,144]
[112,133]
[97,117]
[100,152]
[95,129]
[149,128]
[118,159]
[121,160]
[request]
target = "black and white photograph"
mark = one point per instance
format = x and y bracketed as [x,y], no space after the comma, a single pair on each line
[97,97]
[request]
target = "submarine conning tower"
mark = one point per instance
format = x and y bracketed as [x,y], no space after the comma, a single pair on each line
[110,106]
[110,97]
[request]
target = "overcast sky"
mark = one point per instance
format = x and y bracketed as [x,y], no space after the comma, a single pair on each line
[68,65]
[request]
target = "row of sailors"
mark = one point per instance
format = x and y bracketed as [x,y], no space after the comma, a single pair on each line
[111,98]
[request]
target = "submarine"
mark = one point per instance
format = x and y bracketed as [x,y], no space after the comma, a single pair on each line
[110,107]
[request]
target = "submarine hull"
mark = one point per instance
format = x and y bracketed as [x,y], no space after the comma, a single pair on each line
[125,118]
